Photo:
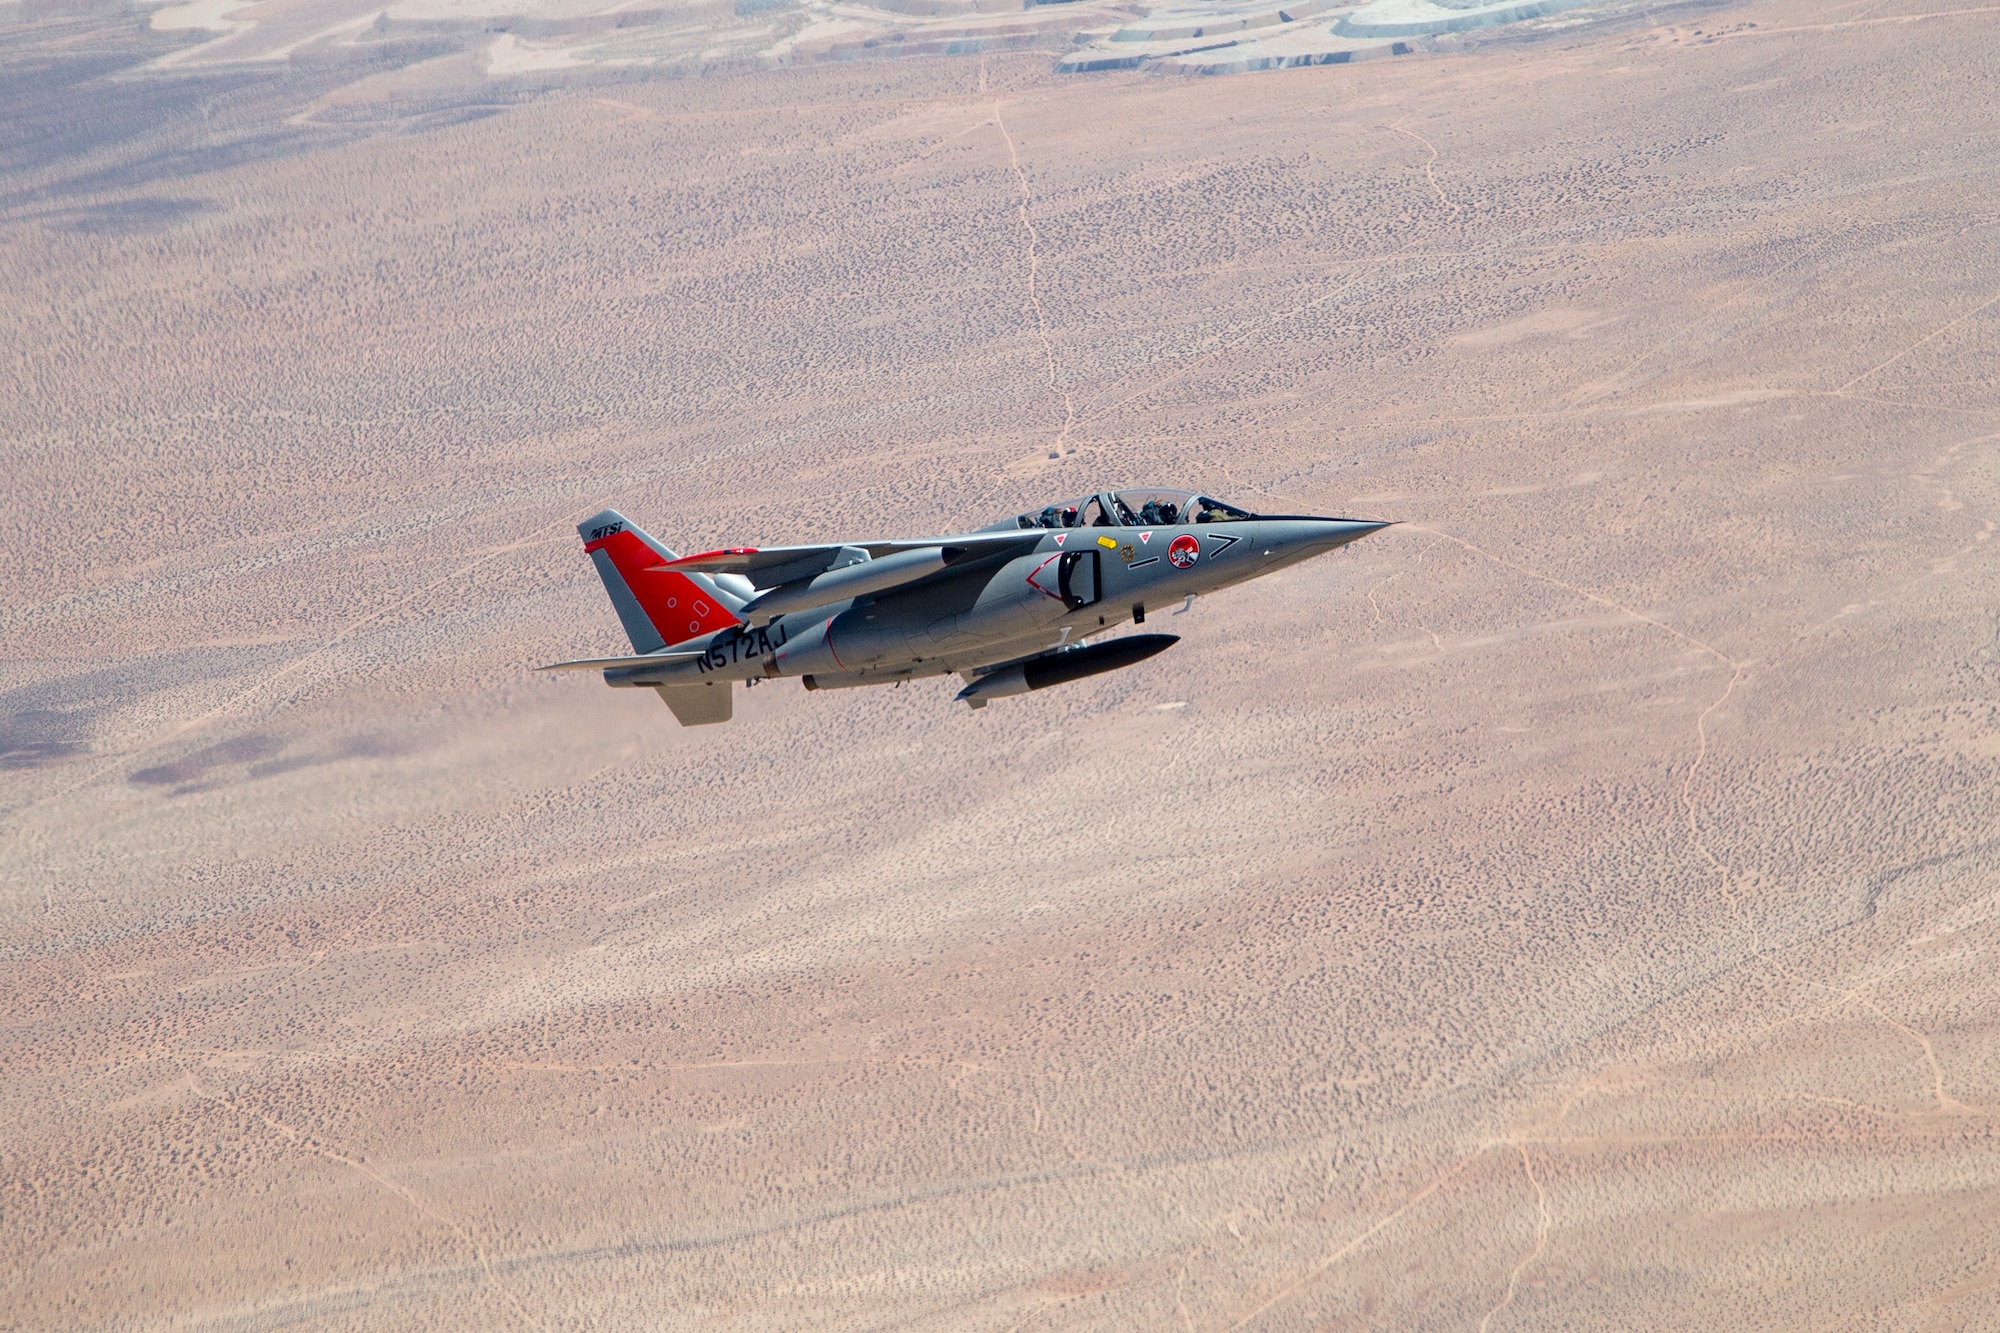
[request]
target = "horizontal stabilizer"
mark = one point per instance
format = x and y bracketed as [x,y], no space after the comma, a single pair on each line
[614,663]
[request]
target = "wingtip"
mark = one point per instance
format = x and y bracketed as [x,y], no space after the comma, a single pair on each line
[702,558]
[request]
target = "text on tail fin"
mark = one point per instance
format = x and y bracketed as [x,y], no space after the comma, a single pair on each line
[676,606]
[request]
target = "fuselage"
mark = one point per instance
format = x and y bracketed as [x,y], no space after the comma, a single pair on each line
[1077,571]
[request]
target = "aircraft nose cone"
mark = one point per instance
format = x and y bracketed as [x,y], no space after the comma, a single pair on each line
[1290,539]
[1326,533]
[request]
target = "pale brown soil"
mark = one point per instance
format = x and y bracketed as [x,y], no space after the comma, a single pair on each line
[1574,909]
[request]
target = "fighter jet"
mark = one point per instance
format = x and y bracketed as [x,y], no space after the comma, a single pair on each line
[1009,607]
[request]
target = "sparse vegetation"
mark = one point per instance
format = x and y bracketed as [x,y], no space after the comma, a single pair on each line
[1571,910]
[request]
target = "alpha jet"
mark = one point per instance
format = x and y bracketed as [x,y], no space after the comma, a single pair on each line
[1010,607]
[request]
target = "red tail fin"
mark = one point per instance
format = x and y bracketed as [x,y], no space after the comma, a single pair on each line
[676,606]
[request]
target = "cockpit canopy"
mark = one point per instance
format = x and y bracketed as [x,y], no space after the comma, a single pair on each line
[1142,507]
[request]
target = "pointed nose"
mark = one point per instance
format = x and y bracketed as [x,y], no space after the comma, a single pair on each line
[1324,534]
[1292,538]
[1341,531]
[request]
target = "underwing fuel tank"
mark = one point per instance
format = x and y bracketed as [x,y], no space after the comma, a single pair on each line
[1038,673]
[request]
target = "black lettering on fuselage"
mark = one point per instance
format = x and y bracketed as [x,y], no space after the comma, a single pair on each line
[742,645]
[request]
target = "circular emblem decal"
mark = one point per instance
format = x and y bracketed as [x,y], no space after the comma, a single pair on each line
[1184,552]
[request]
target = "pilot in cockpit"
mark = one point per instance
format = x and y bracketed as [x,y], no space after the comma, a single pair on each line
[1052,517]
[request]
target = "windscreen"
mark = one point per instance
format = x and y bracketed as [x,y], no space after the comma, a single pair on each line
[1085,513]
[1214,511]
[1053,516]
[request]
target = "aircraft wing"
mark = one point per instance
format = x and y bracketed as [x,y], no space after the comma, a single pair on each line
[772,566]
[613,663]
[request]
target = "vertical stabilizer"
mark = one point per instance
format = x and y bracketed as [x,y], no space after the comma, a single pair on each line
[658,607]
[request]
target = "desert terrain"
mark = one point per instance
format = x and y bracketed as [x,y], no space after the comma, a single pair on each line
[1574,908]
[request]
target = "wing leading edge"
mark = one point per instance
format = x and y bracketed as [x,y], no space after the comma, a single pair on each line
[774,566]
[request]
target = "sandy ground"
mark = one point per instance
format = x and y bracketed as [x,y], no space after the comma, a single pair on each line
[1573,909]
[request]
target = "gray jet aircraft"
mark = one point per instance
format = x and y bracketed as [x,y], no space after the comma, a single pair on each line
[1007,607]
